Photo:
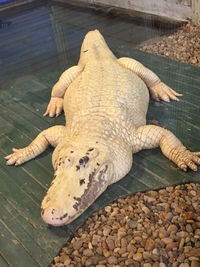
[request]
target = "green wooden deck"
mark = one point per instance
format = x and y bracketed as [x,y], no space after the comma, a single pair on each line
[34,49]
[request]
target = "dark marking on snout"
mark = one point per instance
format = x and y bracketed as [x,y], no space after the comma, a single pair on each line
[62,217]
[77,198]
[82,181]
[102,172]
[85,51]
[90,149]
[53,210]
[92,190]
[82,202]
[75,206]
[77,167]
[91,175]
[60,161]
[71,151]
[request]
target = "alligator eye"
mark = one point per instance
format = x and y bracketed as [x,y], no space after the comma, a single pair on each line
[81,161]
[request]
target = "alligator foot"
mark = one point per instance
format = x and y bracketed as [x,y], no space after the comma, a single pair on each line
[17,157]
[187,159]
[54,107]
[163,92]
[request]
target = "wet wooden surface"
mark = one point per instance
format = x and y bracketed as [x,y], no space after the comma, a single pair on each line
[36,46]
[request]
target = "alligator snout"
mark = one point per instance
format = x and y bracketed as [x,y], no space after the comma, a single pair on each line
[54,216]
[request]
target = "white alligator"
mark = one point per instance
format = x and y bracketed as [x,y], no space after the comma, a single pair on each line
[105,101]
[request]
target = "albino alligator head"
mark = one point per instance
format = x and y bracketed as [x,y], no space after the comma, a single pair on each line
[81,175]
[94,47]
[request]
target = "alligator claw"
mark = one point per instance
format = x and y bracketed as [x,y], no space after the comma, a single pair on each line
[17,157]
[188,159]
[54,107]
[163,92]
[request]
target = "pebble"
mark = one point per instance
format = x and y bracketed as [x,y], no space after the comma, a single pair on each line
[172,228]
[88,252]
[146,265]
[167,240]
[156,251]
[194,252]
[189,228]
[110,243]
[171,246]
[149,199]
[195,263]
[137,257]
[150,244]
[145,209]
[184,265]
[77,244]
[112,260]
[106,253]
[133,224]
[181,244]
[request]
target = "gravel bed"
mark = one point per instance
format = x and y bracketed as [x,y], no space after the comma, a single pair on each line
[183,45]
[152,229]
[156,228]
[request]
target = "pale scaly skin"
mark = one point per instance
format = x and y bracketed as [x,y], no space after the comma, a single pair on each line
[105,101]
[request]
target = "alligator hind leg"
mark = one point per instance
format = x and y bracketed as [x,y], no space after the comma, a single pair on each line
[151,136]
[55,105]
[51,136]
[158,89]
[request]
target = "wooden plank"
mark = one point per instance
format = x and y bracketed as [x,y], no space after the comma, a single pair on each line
[3,262]
[24,231]
[8,244]
[25,180]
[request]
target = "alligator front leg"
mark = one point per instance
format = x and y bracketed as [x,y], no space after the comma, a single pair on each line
[55,105]
[51,136]
[158,89]
[151,136]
